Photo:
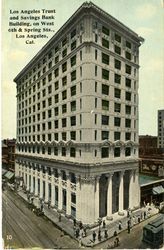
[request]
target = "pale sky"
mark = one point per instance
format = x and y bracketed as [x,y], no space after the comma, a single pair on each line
[145,17]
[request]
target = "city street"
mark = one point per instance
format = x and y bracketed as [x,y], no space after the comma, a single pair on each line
[21,228]
[129,241]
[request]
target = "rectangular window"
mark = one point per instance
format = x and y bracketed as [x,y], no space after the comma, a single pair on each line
[73,45]
[56,59]
[117,64]
[128,96]
[105,105]
[128,45]
[128,82]
[55,151]
[63,151]
[56,111]
[127,123]
[49,89]
[73,60]
[56,98]
[117,121]
[64,42]
[105,120]
[105,43]
[105,58]
[49,113]
[128,109]
[64,136]
[117,50]
[56,136]
[117,107]
[56,85]
[117,136]
[117,152]
[72,152]
[73,75]
[64,122]
[56,49]
[128,69]
[73,198]
[73,33]
[64,53]
[56,123]
[73,106]
[73,90]
[50,77]
[105,89]
[117,78]
[105,30]
[73,135]
[64,108]
[64,95]
[64,81]
[49,101]
[117,93]
[64,67]
[128,55]
[104,135]
[105,74]
[127,151]
[117,38]
[73,120]
[127,136]
[56,72]
[104,152]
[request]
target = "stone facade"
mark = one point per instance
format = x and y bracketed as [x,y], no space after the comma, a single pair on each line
[77,123]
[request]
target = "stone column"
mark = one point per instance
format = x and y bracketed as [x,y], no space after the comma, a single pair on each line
[46,187]
[68,203]
[28,187]
[97,202]
[36,181]
[109,196]
[41,183]
[60,198]
[121,194]
[131,194]
[78,199]
[52,191]
[137,189]
[32,184]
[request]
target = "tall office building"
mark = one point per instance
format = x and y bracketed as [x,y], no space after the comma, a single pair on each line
[161,128]
[77,118]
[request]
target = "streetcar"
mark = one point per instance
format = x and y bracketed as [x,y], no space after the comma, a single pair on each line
[153,232]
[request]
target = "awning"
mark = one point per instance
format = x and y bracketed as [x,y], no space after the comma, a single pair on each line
[158,190]
[9,175]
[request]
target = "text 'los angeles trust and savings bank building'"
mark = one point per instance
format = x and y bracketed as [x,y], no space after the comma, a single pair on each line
[77,118]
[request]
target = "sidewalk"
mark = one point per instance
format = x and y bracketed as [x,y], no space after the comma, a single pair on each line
[67,225]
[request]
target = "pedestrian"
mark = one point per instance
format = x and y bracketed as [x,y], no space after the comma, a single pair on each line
[128,214]
[104,224]
[106,234]
[85,232]
[80,225]
[41,207]
[128,229]
[59,217]
[99,235]
[139,220]
[117,241]
[115,233]
[77,232]
[79,242]
[74,222]
[74,229]
[94,236]
[120,225]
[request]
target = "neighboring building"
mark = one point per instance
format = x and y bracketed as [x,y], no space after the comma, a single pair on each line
[151,170]
[8,154]
[151,157]
[161,129]
[77,118]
